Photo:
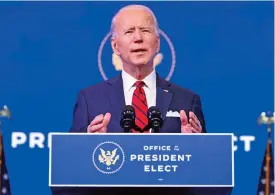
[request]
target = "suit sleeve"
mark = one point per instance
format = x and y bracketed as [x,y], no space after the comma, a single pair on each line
[197,109]
[80,114]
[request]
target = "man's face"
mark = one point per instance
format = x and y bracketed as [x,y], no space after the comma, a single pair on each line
[136,41]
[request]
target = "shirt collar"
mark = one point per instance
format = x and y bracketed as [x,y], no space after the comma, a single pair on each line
[129,81]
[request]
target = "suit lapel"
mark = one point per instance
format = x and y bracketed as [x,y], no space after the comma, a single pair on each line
[116,97]
[164,96]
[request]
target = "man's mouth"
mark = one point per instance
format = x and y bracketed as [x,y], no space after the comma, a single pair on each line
[140,50]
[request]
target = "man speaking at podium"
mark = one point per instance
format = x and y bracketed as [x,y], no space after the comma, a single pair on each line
[136,40]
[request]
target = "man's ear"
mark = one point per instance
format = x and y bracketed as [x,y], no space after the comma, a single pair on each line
[115,46]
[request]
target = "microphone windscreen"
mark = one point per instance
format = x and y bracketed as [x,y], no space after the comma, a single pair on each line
[155,118]
[129,108]
[153,110]
[127,117]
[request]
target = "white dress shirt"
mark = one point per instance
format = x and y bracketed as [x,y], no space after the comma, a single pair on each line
[149,88]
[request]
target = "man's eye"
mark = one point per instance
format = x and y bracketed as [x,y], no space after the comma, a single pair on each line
[146,30]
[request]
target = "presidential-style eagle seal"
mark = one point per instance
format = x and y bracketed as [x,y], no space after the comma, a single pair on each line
[108,157]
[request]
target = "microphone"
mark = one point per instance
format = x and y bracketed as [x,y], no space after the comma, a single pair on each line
[127,118]
[154,118]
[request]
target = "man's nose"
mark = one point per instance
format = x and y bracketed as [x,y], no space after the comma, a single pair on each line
[138,36]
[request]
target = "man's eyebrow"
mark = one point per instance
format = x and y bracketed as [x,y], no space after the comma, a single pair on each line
[140,27]
[129,28]
[146,27]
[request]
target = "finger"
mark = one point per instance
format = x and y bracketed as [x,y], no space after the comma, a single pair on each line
[196,131]
[187,129]
[98,119]
[192,114]
[106,119]
[195,126]
[95,128]
[103,130]
[195,118]
[183,117]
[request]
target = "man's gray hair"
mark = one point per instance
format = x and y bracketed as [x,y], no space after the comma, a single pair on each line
[156,27]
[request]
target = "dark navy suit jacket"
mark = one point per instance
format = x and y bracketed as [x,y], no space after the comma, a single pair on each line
[108,96]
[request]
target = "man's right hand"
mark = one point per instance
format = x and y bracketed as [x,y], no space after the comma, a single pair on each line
[99,124]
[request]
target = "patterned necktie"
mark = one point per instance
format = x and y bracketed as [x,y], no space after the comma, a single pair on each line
[139,103]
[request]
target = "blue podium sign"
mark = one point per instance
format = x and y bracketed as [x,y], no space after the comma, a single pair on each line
[148,160]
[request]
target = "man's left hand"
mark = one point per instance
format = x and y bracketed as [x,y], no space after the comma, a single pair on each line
[191,126]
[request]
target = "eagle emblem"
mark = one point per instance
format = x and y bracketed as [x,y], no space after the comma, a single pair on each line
[108,158]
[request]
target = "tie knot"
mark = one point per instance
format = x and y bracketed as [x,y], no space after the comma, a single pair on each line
[139,84]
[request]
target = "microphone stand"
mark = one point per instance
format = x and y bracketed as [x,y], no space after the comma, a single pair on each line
[127,130]
[156,129]
[137,128]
